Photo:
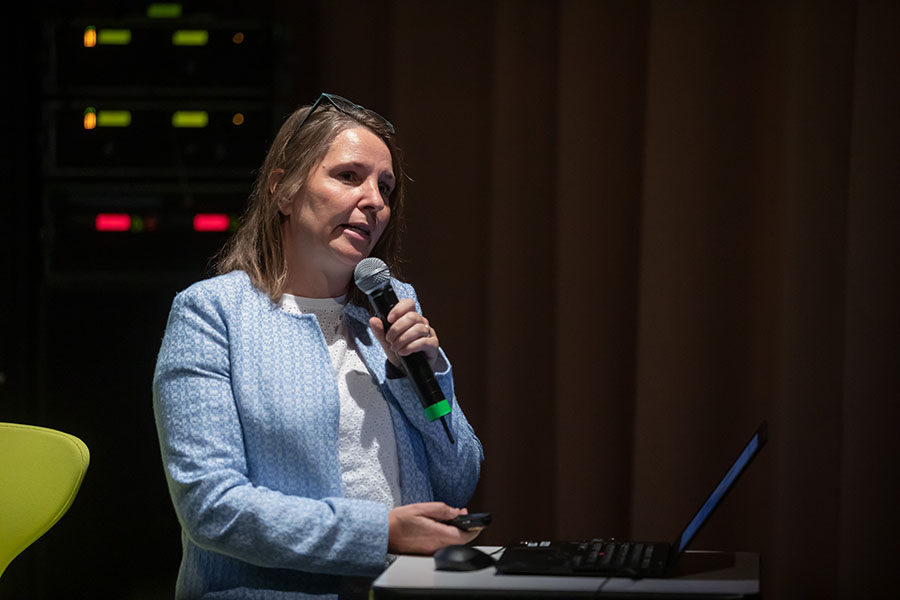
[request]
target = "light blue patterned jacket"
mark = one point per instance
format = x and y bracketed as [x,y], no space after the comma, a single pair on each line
[246,405]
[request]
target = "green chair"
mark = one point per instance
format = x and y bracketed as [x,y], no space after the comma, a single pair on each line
[40,473]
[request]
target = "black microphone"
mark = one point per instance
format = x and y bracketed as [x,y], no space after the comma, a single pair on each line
[374,279]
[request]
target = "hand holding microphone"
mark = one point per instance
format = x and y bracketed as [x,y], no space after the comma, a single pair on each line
[414,344]
[409,332]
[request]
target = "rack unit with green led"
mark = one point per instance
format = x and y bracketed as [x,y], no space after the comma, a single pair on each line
[162,56]
[156,119]
[178,138]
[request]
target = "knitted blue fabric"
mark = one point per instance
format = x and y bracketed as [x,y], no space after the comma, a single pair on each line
[246,405]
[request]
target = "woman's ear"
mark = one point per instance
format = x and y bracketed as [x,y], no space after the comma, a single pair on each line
[274,179]
[284,203]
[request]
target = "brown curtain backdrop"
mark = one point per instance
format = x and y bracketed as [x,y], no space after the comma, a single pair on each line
[640,228]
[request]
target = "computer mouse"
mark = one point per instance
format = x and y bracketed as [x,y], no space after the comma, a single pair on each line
[461,558]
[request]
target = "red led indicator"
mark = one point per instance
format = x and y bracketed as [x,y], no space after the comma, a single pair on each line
[211,222]
[112,222]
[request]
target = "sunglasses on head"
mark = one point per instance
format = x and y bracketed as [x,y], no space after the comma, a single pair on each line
[345,106]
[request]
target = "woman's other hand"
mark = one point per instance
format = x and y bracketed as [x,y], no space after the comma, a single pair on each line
[409,332]
[416,528]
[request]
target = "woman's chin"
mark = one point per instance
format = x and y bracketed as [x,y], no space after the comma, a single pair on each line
[349,257]
[353,250]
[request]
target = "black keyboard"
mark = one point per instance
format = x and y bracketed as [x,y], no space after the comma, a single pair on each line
[599,555]
[596,557]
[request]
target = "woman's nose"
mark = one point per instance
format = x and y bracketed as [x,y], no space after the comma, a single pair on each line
[371,195]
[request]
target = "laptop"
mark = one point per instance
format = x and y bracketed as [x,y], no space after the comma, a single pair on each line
[618,558]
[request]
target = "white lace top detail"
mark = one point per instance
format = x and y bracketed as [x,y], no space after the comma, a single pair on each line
[366,445]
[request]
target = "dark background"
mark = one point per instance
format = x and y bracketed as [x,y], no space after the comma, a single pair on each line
[640,228]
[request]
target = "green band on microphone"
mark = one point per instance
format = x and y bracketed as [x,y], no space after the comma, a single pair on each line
[437,410]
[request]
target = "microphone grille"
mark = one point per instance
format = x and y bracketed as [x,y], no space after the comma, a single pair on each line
[370,274]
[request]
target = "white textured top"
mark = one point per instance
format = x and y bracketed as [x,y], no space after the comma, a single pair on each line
[366,445]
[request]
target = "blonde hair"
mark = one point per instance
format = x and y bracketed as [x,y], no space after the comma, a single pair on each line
[257,247]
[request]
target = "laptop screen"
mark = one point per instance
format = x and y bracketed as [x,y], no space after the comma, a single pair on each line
[753,446]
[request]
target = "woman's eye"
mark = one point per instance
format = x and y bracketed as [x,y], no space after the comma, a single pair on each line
[385,189]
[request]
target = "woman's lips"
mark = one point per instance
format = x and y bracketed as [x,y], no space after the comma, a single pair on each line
[358,229]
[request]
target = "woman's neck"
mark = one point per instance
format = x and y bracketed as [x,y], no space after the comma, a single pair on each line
[316,285]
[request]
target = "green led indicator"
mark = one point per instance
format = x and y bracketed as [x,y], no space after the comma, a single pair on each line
[190,118]
[137,224]
[190,37]
[113,118]
[164,10]
[114,37]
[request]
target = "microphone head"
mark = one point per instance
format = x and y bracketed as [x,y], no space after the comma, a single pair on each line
[371,274]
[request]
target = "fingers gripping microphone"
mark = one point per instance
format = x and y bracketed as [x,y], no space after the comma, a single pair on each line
[374,279]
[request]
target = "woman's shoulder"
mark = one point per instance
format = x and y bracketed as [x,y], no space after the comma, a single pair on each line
[230,288]
[233,281]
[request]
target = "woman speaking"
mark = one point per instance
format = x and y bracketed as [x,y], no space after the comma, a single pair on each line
[296,451]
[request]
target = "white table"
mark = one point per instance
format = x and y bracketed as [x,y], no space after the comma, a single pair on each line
[706,574]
